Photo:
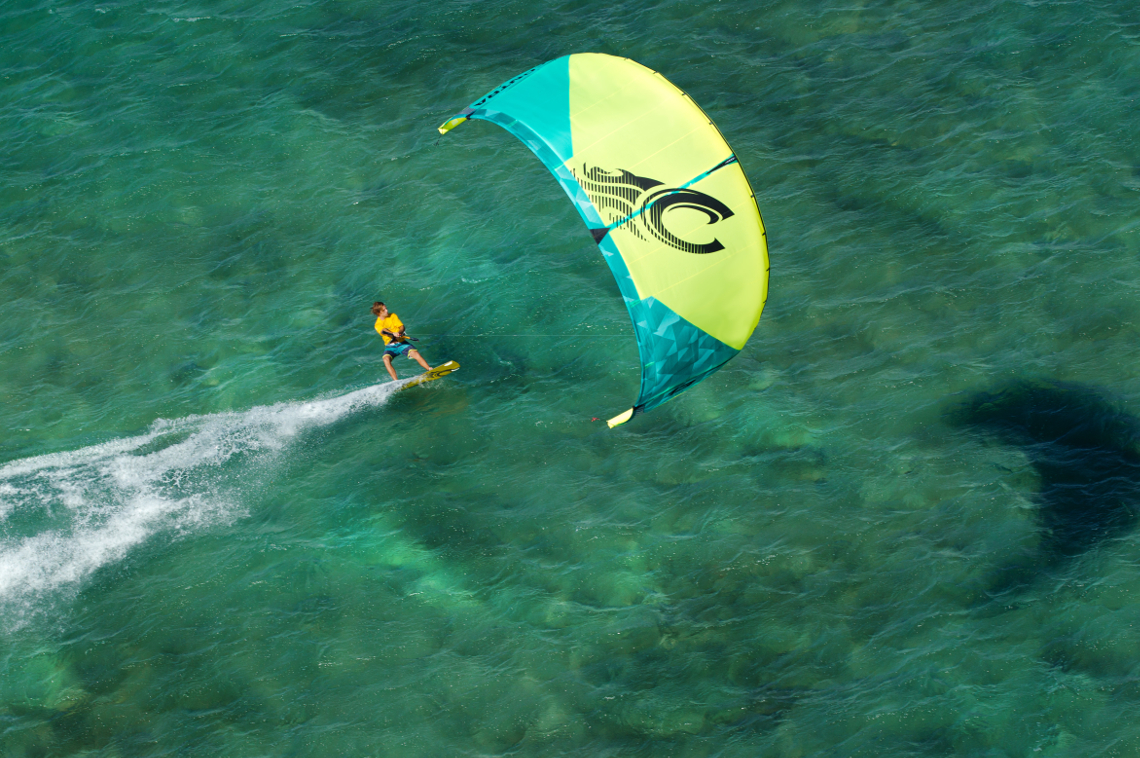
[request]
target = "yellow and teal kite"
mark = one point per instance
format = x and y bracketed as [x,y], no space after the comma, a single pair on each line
[663,195]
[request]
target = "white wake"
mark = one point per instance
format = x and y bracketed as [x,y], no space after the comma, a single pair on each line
[64,515]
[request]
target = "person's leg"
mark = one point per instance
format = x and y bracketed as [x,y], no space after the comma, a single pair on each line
[388,365]
[415,355]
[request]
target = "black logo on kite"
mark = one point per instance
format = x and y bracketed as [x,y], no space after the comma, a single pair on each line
[640,205]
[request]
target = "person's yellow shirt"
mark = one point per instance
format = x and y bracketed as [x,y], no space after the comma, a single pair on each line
[392,323]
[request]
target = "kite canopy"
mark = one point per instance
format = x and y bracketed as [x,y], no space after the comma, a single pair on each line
[662,192]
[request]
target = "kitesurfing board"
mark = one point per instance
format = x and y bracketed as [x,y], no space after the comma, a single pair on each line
[430,376]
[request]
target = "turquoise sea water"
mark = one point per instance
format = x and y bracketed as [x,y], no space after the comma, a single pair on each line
[220,535]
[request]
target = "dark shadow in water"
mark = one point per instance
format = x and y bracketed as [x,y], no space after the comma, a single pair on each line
[1085,450]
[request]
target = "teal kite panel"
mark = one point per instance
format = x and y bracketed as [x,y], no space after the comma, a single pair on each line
[538,99]
[675,355]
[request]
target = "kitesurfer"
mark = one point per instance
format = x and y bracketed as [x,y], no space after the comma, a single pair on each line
[392,330]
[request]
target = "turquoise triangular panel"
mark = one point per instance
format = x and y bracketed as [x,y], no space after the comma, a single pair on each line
[675,355]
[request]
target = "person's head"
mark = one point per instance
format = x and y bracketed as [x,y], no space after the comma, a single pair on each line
[379,310]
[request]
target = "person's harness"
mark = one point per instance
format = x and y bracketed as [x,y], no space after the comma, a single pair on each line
[399,338]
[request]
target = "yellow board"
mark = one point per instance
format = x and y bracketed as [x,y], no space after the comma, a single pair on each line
[439,371]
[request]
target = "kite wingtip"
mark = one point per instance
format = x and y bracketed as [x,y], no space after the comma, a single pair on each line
[451,123]
[619,420]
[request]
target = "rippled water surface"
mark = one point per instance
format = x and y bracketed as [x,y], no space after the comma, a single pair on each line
[221,534]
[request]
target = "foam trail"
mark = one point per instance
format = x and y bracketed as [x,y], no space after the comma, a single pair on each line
[64,515]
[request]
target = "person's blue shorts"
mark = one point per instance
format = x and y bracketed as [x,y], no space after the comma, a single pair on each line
[396,349]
